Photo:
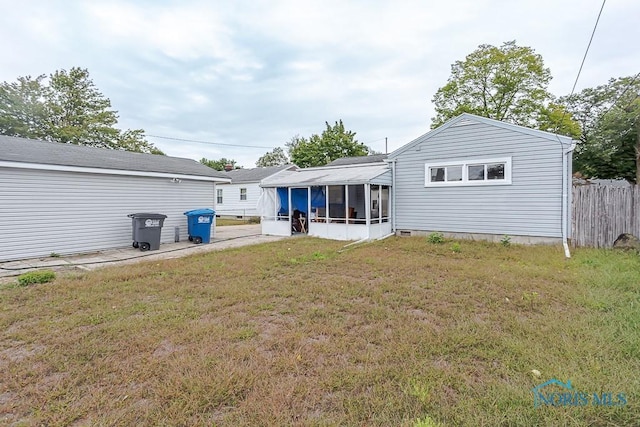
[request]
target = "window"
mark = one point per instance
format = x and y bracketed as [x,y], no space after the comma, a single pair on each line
[219,195]
[446,173]
[243,194]
[469,172]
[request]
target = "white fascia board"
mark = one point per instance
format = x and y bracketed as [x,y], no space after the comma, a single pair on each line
[61,168]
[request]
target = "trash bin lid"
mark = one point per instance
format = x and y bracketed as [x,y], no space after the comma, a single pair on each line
[147,215]
[205,211]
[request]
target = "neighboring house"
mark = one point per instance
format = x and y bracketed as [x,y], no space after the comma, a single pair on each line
[239,197]
[65,199]
[485,178]
[612,183]
[471,177]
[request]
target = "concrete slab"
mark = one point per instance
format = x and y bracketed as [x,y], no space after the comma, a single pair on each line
[226,237]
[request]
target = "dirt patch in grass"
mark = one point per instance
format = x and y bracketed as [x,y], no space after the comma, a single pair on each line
[297,333]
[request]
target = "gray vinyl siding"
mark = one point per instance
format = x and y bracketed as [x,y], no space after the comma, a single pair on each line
[530,206]
[67,212]
[383,179]
[231,203]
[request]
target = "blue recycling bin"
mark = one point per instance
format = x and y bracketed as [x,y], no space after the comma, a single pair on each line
[199,224]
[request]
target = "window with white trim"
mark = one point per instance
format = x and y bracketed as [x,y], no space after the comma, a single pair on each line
[469,172]
[243,194]
[219,195]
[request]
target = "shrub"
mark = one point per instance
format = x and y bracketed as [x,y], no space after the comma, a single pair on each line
[456,248]
[34,277]
[506,241]
[435,238]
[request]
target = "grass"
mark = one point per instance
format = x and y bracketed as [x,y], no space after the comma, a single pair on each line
[399,332]
[221,222]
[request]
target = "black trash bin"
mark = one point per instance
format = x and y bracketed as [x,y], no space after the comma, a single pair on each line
[146,230]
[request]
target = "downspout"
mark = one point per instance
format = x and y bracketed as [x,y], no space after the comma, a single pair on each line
[565,195]
[393,194]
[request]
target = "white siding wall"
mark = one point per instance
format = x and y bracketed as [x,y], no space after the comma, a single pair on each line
[64,212]
[231,203]
[530,206]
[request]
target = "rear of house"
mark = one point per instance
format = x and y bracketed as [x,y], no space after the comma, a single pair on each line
[477,177]
[66,199]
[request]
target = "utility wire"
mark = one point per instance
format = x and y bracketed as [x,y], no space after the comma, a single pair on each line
[209,142]
[581,65]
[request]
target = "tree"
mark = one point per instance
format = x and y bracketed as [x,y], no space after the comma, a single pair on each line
[506,83]
[276,157]
[23,109]
[335,142]
[609,116]
[556,118]
[67,107]
[218,165]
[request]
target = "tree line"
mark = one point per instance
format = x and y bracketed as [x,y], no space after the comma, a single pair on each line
[510,83]
[65,107]
[507,82]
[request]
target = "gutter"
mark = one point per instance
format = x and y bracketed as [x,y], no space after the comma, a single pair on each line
[393,193]
[565,195]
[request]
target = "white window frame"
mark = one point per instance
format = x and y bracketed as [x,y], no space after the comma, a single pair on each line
[245,194]
[219,196]
[465,163]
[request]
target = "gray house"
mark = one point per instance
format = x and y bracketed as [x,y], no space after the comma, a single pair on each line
[484,178]
[65,199]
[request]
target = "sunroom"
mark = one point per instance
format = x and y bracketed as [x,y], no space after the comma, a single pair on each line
[351,202]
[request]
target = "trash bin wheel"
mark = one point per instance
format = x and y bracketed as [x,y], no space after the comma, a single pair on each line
[135,245]
[197,240]
[191,238]
[144,246]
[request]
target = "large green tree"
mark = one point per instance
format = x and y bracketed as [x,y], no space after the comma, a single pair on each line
[276,157]
[23,109]
[65,107]
[334,142]
[609,116]
[219,164]
[506,83]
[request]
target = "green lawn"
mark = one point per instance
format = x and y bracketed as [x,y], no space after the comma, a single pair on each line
[296,332]
[222,222]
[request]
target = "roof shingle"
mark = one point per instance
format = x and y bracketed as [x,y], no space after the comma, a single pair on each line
[255,174]
[23,150]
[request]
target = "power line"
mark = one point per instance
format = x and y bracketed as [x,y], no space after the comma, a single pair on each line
[581,65]
[588,46]
[209,142]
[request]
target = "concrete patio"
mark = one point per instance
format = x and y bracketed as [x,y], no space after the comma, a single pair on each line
[226,237]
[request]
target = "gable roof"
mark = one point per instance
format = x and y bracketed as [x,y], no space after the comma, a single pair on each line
[31,153]
[467,119]
[373,158]
[373,173]
[255,174]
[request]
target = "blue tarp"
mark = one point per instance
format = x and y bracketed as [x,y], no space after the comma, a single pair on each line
[284,200]
[318,198]
[299,199]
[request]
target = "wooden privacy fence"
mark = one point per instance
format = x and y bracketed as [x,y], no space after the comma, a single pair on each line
[601,213]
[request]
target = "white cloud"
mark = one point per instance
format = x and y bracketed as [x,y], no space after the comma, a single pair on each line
[258,72]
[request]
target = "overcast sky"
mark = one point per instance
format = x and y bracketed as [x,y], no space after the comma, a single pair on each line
[255,73]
